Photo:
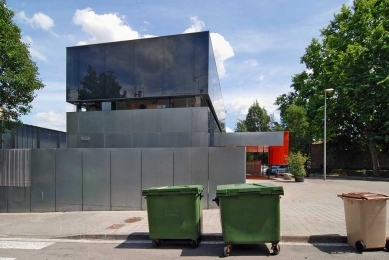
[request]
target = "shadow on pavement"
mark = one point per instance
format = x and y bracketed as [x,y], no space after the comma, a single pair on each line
[211,250]
[237,250]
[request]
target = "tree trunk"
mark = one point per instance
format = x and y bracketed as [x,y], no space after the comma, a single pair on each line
[374,158]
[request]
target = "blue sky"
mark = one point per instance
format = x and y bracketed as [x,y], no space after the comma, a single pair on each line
[257,43]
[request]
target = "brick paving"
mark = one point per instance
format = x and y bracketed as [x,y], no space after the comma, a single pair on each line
[308,208]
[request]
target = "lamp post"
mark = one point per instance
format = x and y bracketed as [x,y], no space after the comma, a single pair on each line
[329,90]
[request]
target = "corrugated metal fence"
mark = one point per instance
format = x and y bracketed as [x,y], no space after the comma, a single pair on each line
[15,167]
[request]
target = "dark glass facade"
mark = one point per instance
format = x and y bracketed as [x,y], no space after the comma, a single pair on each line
[161,67]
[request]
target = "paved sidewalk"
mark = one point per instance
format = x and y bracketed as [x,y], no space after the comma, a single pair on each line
[308,209]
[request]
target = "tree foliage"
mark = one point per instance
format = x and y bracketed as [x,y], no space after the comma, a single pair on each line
[18,73]
[257,120]
[296,122]
[352,58]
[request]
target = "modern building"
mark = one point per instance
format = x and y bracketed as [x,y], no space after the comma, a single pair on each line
[149,113]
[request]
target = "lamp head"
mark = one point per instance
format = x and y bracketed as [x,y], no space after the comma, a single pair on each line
[328,90]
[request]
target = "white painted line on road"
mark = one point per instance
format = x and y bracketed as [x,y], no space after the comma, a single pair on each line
[24,245]
[2,258]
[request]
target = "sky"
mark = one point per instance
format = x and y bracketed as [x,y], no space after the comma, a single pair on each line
[257,43]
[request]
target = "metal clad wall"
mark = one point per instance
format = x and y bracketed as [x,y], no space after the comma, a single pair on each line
[96,179]
[250,139]
[126,179]
[182,166]
[95,140]
[157,168]
[3,200]
[138,123]
[42,180]
[72,141]
[119,121]
[167,120]
[152,120]
[19,199]
[72,122]
[200,139]
[199,119]
[118,140]
[199,170]
[176,139]
[91,122]
[226,166]
[182,120]
[68,179]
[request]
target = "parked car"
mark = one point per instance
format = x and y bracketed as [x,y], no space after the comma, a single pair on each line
[274,169]
[282,168]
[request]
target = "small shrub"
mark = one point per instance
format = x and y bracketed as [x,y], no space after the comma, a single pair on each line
[296,162]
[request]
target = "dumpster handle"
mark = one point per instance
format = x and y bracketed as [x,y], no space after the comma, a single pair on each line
[216,200]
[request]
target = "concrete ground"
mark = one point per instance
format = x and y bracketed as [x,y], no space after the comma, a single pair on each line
[308,209]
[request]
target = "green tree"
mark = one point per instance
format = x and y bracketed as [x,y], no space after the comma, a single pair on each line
[352,58]
[18,73]
[257,120]
[296,122]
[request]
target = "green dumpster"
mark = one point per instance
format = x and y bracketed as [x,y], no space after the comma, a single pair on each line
[174,212]
[250,214]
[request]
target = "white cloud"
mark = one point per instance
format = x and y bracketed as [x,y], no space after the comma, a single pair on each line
[221,47]
[196,26]
[146,22]
[252,62]
[51,120]
[222,50]
[149,36]
[38,20]
[33,51]
[103,28]
[261,77]
[229,130]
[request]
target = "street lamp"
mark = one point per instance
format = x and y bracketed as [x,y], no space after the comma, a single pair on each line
[328,90]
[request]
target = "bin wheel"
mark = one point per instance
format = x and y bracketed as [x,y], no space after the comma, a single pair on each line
[226,252]
[360,246]
[387,245]
[194,243]
[157,243]
[276,248]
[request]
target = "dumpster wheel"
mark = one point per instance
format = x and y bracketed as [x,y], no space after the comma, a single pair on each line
[387,245]
[194,243]
[360,246]
[276,248]
[227,250]
[157,242]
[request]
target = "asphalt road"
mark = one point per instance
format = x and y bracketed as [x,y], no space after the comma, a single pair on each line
[68,249]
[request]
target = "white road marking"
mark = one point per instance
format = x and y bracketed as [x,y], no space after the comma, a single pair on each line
[2,258]
[24,245]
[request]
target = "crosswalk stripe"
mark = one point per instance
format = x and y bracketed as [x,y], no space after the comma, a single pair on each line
[24,245]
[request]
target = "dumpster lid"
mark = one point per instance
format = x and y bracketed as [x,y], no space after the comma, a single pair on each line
[184,189]
[364,196]
[261,188]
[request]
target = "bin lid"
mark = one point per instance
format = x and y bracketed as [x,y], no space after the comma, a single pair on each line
[364,196]
[261,188]
[184,189]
